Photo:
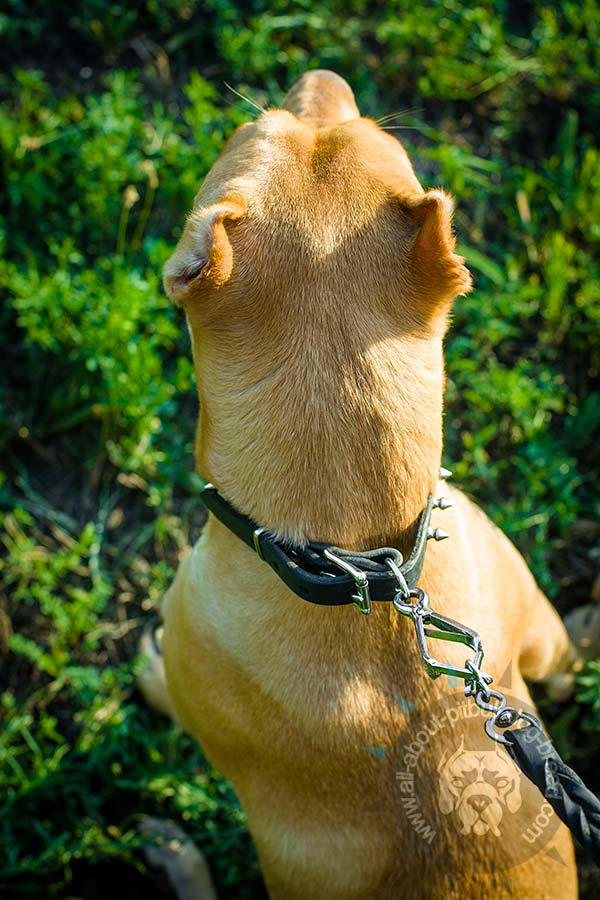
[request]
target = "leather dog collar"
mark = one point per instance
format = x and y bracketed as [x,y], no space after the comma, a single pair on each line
[324,574]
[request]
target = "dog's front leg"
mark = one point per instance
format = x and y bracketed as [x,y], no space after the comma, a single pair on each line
[152,679]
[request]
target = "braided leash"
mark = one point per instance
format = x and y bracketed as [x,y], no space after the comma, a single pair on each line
[564,790]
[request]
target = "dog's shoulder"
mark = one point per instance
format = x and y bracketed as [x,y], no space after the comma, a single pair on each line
[484,542]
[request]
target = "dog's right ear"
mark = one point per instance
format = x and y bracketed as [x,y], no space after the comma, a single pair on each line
[204,255]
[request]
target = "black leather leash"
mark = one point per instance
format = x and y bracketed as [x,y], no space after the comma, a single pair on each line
[313,573]
[324,574]
[564,790]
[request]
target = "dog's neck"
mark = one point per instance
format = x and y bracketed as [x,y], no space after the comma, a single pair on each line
[324,444]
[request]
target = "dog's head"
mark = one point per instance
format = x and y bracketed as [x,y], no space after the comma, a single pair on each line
[309,195]
[315,272]
[478,787]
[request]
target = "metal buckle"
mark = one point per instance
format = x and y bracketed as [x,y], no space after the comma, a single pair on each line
[362,600]
[256,540]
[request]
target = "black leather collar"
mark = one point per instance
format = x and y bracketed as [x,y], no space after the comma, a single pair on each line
[323,574]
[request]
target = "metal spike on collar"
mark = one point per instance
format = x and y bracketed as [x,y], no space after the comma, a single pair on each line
[441,503]
[438,534]
[445,473]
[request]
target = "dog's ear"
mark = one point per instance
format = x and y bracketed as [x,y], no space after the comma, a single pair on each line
[448,758]
[436,271]
[204,255]
[443,760]
[513,797]
[446,800]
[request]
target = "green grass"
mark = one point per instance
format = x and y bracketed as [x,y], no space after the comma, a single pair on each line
[110,115]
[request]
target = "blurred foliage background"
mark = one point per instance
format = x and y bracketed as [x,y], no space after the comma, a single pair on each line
[110,115]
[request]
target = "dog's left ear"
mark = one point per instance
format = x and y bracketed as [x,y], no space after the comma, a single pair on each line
[436,271]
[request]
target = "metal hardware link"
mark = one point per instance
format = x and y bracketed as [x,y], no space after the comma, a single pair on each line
[429,624]
[403,588]
[479,680]
[506,717]
[362,599]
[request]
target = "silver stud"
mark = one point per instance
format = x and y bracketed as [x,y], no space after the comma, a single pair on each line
[438,534]
[441,503]
[445,473]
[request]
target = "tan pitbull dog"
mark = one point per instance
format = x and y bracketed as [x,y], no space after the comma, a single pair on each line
[317,278]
